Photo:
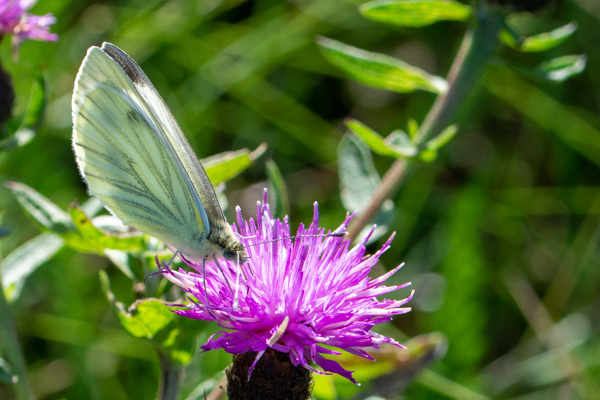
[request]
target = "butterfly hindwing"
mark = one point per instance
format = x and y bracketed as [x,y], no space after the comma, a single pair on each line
[134,156]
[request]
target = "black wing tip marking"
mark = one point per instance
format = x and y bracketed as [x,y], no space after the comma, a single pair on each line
[130,67]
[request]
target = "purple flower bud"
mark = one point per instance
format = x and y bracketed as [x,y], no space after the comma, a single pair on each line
[15,20]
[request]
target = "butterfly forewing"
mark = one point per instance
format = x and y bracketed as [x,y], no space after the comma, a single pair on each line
[172,133]
[134,156]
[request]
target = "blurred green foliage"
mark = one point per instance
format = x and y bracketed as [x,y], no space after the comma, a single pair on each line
[504,221]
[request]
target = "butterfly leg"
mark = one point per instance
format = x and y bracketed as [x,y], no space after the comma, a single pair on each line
[204,282]
[163,267]
[235,299]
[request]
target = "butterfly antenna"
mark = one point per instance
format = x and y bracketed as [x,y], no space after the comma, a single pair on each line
[332,234]
[244,237]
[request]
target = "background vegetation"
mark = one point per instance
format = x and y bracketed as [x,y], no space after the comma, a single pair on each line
[499,234]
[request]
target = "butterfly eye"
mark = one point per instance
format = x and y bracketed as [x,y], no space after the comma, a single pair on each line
[229,255]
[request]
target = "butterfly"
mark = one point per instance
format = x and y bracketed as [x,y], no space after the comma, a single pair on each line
[134,157]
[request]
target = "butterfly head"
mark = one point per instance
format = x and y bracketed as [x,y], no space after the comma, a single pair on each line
[224,242]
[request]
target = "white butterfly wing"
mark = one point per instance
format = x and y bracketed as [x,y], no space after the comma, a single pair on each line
[135,158]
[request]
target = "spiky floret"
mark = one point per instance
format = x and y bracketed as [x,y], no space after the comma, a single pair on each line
[292,295]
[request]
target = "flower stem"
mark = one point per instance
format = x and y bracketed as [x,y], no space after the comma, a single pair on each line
[170,379]
[477,48]
[11,349]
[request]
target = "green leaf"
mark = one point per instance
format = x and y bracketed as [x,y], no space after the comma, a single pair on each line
[88,238]
[358,180]
[25,259]
[378,70]
[397,146]
[33,117]
[358,176]
[225,166]
[562,68]
[45,212]
[541,42]
[278,195]
[413,128]
[429,153]
[415,13]
[152,319]
[37,104]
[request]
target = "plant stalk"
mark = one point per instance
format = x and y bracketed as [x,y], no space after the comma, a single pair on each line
[477,48]
[170,379]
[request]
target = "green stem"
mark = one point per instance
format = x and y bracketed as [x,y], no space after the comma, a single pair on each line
[170,379]
[476,50]
[11,349]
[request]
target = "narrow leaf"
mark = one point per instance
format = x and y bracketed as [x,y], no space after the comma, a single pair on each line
[88,238]
[7,375]
[278,194]
[37,104]
[380,145]
[562,68]
[431,148]
[25,259]
[415,13]
[379,70]
[413,128]
[541,42]
[225,166]
[45,212]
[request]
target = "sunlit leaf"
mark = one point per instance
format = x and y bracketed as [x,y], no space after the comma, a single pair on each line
[152,319]
[225,166]
[398,146]
[429,153]
[88,238]
[562,68]
[25,260]
[541,42]
[379,70]
[45,212]
[412,128]
[415,13]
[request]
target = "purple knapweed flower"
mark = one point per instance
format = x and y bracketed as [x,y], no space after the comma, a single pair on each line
[15,20]
[292,295]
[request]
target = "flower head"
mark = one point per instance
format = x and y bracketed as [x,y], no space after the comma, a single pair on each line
[14,19]
[292,295]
